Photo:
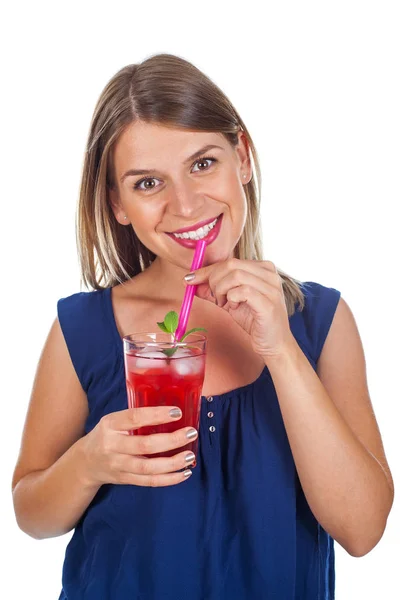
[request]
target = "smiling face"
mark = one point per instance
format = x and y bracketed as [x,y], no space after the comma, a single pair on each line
[180,188]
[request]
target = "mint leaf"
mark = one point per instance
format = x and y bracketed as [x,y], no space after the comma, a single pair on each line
[171,321]
[191,331]
[162,326]
[169,351]
[170,325]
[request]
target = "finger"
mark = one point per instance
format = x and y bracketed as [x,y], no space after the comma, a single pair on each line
[153,466]
[133,418]
[154,442]
[201,275]
[204,273]
[258,281]
[155,480]
[263,268]
[254,299]
[232,268]
[269,265]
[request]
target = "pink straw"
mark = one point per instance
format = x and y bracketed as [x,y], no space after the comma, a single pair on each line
[190,290]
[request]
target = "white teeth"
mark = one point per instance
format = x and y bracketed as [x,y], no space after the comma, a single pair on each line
[202,232]
[199,233]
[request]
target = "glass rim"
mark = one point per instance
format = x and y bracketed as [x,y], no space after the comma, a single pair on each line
[132,337]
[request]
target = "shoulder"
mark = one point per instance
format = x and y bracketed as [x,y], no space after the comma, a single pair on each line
[80,299]
[83,314]
[316,294]
[86,323]
[82,307]
[320,301]
[343,338]
[312,323]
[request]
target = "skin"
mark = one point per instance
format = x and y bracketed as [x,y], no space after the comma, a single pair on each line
[179,195]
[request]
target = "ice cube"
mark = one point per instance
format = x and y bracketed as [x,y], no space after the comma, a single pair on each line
[197,364]
[151,354]
[182,352]
[182,367]
[151,360]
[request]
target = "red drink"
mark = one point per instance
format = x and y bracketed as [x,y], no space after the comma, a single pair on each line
[154,379]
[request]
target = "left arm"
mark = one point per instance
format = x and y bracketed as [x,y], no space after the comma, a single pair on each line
[334,437]
[328,416]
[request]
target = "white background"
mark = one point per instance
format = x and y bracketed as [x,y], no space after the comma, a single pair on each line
[317,85]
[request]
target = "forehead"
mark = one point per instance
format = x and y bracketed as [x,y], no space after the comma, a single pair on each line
[145,145]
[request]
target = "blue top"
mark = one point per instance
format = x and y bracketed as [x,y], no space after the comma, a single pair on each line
[240,527]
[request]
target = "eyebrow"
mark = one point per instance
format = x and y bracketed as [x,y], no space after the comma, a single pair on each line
[149,171]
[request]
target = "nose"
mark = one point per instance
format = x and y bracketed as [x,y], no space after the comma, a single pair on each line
[184,201]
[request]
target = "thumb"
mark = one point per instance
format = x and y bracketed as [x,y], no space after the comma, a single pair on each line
[198,276]
[203,291]
[200,280]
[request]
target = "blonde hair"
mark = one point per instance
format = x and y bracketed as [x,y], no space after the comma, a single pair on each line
[170,91]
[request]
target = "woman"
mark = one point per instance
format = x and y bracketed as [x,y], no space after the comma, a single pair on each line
[290,455]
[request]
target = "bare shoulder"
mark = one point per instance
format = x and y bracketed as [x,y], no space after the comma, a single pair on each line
[57,408]
[342,370]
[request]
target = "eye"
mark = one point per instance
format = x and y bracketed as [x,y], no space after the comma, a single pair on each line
[203,159]
[138,184]
[144,189]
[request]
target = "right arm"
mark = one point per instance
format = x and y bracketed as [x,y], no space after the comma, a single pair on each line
[50,489]
[60,470]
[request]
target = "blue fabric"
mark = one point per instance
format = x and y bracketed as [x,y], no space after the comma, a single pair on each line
[240,527]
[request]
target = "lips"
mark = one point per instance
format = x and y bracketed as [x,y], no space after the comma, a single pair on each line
[210,237]
[194,227]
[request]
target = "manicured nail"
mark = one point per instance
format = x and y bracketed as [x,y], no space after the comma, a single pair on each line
[175,412]
[189,277]
[191,434]
[187,473]
[190,457]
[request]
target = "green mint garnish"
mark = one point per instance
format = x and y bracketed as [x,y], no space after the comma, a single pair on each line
[170,325]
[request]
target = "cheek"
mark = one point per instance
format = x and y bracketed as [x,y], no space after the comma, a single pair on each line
[244,209]
[231,187]
[144,217]
[228,182]
[146,222]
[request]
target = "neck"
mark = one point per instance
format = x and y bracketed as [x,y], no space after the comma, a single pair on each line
[164,281]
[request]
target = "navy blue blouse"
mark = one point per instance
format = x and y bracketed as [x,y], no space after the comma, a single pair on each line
[240,527]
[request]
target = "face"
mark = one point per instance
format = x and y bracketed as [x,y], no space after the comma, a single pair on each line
[181,188]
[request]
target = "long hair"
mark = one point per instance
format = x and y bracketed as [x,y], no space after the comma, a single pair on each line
[168,90]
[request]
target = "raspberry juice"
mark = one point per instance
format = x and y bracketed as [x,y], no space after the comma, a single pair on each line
[153,379]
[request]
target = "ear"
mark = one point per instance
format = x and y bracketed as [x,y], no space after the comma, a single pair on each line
[243,151]
[116,206]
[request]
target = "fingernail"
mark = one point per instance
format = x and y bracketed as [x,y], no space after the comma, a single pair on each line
[191,434]
[189,457]
[187,473]
[189,277]
[175,412]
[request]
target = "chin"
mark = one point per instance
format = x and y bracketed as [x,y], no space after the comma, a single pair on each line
[216,256]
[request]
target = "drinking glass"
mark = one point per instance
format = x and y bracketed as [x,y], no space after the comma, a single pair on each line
[162,372]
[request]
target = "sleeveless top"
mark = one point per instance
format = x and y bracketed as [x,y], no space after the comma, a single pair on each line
[240,527]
